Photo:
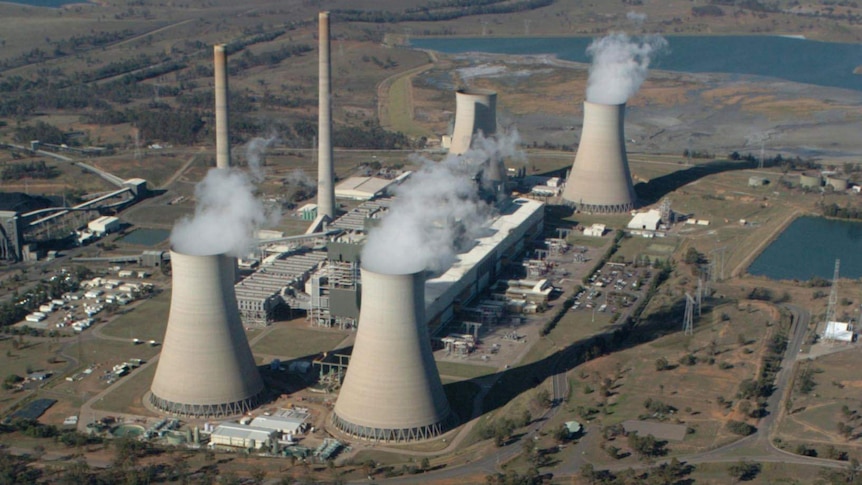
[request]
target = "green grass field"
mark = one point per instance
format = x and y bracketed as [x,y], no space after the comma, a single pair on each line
[466,371]
[292,342]
[146,321]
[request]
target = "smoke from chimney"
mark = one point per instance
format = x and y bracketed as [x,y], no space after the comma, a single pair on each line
[436,208]
[620,65]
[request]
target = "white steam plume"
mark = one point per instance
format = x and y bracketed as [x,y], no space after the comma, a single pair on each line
[227,213]
[620,65]
[254,156]
[437,212]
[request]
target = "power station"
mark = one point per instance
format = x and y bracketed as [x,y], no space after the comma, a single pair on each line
[392,390]
[600,180]
[325,170]
[206,368]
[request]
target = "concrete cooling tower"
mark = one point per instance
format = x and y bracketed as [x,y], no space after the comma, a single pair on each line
[475,111]
[206,368]
[325,170]
[392,390]
[600,180]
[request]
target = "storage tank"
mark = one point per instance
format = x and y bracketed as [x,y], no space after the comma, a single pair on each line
[809,180]
[837,183]
[600,180]
[206,368]
[392,390]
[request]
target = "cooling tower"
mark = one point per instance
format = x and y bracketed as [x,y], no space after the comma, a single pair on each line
[325,170]
[221,107]
[600,180]
[475,111]
[206,367]
[392,390]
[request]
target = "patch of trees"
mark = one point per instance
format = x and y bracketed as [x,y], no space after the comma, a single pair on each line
[37,169]
[838,212]
[240,44]
[370,136]
[646,446]
[744,470]
[17,469]
[441,10]
[173,126]
[707,11]
[44,132]
[674,472]
[249,60]
[740,428]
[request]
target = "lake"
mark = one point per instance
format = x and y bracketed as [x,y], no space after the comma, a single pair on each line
[809,247]
[828,64]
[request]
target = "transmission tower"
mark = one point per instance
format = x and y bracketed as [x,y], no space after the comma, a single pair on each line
[833,295]
[716,261]
[688,320]
[699,296]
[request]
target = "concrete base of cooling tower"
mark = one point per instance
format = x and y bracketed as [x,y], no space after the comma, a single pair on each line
[222,410]
[602,208]
[393,435]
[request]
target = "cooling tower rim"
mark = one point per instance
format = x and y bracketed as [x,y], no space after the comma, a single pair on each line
[410,272]
[612,105]
[476,91]
[173,250]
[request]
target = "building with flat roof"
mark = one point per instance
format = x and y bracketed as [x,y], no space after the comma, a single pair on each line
[645,221]
[283,424]
[362,188]
[235,435]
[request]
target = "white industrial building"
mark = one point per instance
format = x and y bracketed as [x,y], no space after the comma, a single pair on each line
[288,424]
[235,435]
[362,188]
[596,230]
[838,332]
[646,221]
[104,225]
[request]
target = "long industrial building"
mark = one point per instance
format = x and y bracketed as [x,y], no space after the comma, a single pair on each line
[600,181]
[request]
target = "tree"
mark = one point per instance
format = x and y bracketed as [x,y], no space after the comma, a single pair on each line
[661,364]
[744,470]
[543,397]
[426,464]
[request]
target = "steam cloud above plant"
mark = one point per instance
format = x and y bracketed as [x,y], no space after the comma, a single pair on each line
[228,211]
[438,210]
[620,66]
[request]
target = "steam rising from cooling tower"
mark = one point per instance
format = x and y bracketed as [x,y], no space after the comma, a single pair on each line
[600,180]
[206,367]
[437,211]
[226,216]
[392,389]
[228,211]
[325,170]
[620,65]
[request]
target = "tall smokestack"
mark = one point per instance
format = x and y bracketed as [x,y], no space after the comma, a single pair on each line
[206,367]
[221,107]
[600,180]
[392,390]
[325,170]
